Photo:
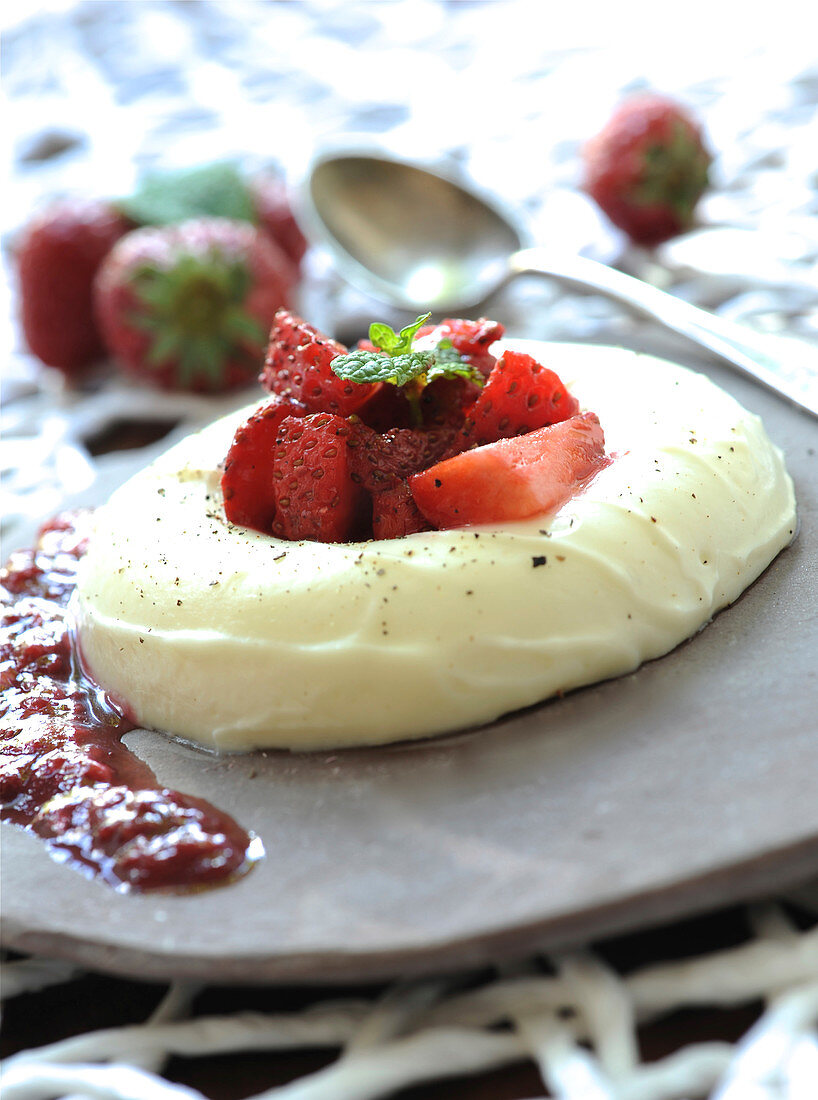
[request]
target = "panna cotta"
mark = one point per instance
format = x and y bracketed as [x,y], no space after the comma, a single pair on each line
[240,640]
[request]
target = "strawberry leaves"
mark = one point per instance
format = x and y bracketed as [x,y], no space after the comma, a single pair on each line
[194,314]
[213,190]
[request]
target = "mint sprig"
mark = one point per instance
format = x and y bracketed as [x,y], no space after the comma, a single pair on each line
[383,336]
[396,362]
[361,365]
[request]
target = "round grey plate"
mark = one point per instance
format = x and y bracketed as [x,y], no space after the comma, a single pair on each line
[685,785]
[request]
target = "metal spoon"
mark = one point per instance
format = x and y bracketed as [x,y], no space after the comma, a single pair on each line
[422,241]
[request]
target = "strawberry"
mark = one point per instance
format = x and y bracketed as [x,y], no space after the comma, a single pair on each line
[395,513]
[386,407]
[471,339]
[217,190]
[330,476]
[379,461]
[188,306]
[444,401]
[381,464]
[298,366]
[275,217]
[315,496]
[520,396]
[647,168]
[512,479]
[247,480]
[57,258]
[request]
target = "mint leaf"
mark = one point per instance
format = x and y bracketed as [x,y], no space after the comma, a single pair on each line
[376,366]
[449,363]
[384,336]
[453,368]
[395,362]
[408,333]
[214,190]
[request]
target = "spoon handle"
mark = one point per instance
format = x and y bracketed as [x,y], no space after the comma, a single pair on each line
[785,366]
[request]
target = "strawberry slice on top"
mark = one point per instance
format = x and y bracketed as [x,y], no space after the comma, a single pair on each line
[394,438]
[298,367]
[247,478]
[315,496]
[470,339]
[512,479]
[520,396]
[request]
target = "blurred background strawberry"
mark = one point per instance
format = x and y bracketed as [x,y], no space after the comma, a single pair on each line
[57,257]
[61,249]
[189,305]
[647,168]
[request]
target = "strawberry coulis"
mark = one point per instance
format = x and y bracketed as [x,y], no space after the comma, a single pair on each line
[64,773]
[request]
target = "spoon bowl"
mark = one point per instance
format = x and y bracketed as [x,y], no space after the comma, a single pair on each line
[421,240]
[407,235]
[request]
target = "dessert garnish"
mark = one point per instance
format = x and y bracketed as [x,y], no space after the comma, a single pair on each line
[389,357]
[410,431]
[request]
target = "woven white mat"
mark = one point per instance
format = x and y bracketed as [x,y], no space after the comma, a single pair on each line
[578,1025]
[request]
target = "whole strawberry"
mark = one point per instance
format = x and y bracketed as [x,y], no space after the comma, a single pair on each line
[57,256]
[218,190]
[647,168]
[189,306]
[274,215]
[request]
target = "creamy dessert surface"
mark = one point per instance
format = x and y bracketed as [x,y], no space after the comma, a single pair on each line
[238,640]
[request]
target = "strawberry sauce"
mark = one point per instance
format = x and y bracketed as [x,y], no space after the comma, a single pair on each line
[64,772]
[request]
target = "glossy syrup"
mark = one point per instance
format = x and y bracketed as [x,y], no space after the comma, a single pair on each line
[64,772]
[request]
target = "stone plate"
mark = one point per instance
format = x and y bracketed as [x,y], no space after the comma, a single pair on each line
[688,784]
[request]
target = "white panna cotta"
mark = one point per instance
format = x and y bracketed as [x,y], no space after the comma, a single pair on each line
[239,640]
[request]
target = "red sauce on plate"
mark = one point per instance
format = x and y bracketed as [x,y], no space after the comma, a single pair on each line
[64,772]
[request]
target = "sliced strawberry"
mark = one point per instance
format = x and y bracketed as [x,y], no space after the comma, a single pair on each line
[298,366]
[444,402]
[247,480]
[380,461]
[512,479]
[395,513]
[386,408]
[471,339]
[520,396]
[315,496]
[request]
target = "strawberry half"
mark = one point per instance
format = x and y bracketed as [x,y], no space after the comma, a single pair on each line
[520,396]
[247,481]
[188,306]
[512,479]
[298,366]
[395,513]
[379,461]
[315,496]
[471,339]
